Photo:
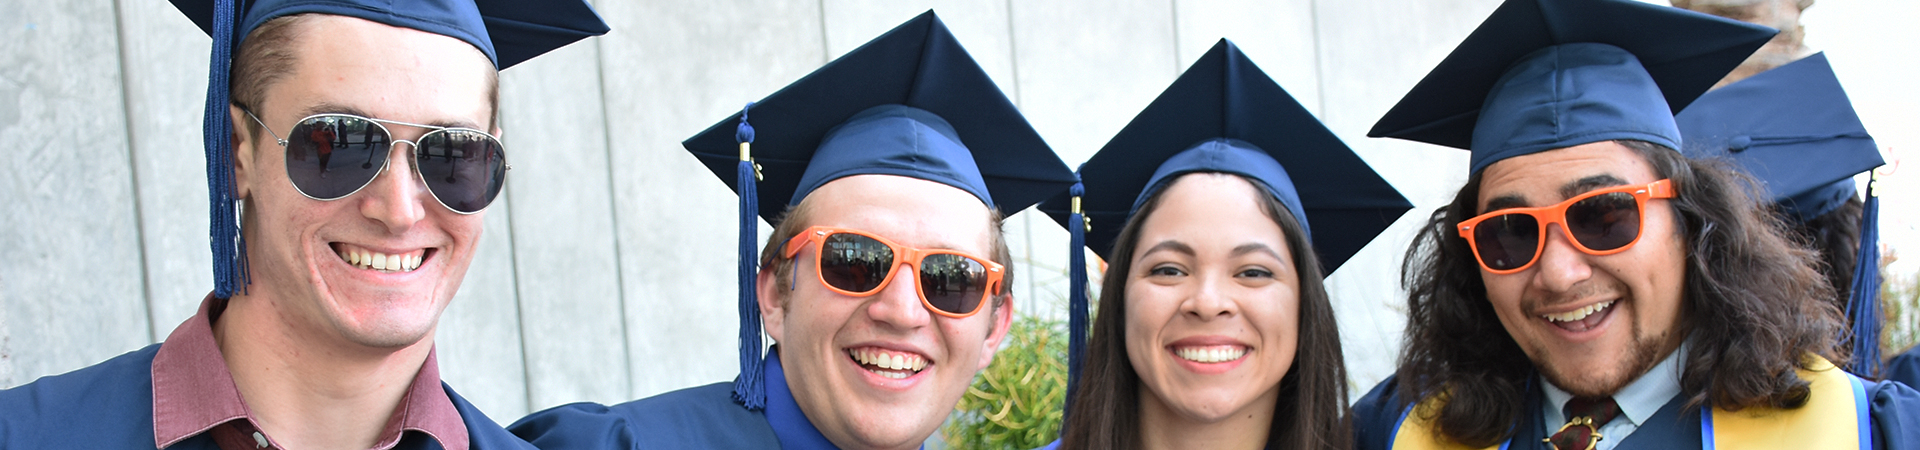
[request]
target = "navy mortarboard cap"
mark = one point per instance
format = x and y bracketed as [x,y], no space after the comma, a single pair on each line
[1794,129]
[1546,74]
[508,32]
[1225,115]
[910,103]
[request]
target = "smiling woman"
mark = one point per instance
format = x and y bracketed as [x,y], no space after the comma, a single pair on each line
[1215,326]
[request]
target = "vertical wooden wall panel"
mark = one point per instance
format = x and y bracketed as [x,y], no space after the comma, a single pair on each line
[1083,70]
[1372,53]
[673,69]
[165,59]
[1277,35]
[565,255]
[70,268]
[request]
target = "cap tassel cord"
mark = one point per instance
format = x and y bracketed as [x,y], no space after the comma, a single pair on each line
[1863,303]
[748,389]
[1077,228]
[230,273]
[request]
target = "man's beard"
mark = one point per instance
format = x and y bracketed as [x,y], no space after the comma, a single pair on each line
[1646,351]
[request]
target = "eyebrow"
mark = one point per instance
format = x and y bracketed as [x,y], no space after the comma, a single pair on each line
[335,108]
[1172,246]
[1572,188]
[1252,247]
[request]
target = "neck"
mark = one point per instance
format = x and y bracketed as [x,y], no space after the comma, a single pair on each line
[1163,428]
[310,392]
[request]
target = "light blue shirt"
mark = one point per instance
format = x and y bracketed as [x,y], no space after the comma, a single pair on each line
[1638,401]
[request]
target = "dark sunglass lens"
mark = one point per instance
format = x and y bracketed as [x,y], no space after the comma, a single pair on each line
[1507,241]
[854,263]
[953,283]
[465,169]
[1604,222]
[329,157]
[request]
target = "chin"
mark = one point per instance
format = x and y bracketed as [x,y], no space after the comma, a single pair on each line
[387,332]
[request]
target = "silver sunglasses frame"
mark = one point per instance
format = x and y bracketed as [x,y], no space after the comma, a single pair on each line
[388,162]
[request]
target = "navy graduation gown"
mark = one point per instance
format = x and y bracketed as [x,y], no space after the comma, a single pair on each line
[693,418]
[110,406]
[1905,367]
[1894,410]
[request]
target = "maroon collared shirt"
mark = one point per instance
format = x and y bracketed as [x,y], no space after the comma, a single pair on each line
[193,393]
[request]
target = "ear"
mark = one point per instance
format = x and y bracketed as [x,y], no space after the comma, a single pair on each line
[242,138]
[1002,322]
[772,315]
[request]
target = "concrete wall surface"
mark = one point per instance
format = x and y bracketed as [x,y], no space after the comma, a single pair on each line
[606,272]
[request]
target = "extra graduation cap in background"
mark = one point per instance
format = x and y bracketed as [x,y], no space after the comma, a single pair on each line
[1546,74]
[1224,115]
[1794,129]
[507,31]
[911,103]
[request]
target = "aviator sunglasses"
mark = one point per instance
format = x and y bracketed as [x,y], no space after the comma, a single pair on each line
[331,156]
[1599,223]
[859,264]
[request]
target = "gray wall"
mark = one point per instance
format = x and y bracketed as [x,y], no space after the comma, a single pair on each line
[606,272]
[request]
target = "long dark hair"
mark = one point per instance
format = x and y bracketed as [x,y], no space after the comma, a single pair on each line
[1835,236]
[1311,410]
[1752,304]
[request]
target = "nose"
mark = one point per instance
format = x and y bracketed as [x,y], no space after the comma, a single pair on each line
[898,305]
[1561,266]
[1209,299]
[395,197]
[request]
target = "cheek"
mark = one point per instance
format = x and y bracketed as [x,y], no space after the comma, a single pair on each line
[1278,320]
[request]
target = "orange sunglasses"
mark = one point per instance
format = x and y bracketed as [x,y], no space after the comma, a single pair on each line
[1600,223]
[857,263]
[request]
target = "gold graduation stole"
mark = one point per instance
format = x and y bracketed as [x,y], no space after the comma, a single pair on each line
[1835,417]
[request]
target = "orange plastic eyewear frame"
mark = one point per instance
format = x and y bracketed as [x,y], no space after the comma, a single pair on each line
[910,256]
[1557,214]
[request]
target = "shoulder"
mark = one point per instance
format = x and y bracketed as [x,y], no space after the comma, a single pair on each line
[482,432]
[1895,411]
[698,417]
[105,405]
[1376,417]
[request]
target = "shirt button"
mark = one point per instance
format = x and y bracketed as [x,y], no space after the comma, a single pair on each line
[259,440]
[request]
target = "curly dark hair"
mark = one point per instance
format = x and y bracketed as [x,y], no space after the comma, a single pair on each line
[1311,412]
[1753,306]
[1835,236]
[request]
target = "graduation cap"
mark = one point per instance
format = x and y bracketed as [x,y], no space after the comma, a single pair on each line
[1225,115]
[1794,129]
[1546,74]
[911,103]
[508,32]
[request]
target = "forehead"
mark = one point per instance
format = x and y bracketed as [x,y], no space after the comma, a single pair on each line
[1208,205]
[385,72]
[1551,176]
[908,210]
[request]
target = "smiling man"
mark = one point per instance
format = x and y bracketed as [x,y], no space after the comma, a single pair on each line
[885,284]
[1590,287]
[335,250]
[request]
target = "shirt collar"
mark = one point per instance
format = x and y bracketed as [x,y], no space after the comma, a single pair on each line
[193,392]
[1639,400]
[789,423]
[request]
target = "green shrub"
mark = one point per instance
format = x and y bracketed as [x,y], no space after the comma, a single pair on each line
[1900,303]
[1015,403]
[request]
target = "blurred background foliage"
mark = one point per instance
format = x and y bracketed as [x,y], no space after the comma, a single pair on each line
[1015,403]
[1900,301]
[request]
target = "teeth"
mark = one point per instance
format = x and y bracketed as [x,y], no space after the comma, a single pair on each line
[895,365]
[1211,354]
[365,259]
[1578,314]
